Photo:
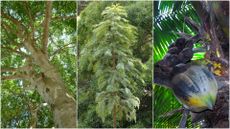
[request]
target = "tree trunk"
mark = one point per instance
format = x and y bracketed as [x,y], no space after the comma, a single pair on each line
[63,105]
[215,21]
[48,81]
[51,87]
[114,117]
[115,108]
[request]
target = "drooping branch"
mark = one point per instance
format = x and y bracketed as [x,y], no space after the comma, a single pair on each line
[46,26]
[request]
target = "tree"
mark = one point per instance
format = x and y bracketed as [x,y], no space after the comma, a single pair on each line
[34,41]
[139,15]
[210,32]
[116,71]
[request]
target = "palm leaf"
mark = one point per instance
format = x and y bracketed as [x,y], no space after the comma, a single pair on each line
[169,18]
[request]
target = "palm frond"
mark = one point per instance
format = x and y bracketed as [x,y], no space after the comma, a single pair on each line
[169,19]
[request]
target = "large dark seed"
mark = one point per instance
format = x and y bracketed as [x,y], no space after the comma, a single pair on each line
[173,50]
[185,55]
[180,43]
[172,60]
[179,68]
[189,44]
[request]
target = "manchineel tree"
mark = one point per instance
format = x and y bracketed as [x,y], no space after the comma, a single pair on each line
[109,55]
[207,31]
[96,45]
[37,65]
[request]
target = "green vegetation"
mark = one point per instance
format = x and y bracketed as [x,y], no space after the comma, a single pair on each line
[29,35]
[115,77]
[168,21]
[88,64]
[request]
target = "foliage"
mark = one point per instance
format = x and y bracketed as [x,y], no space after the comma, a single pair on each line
[138,13]
[169,19]
[17,95]
[113,64]
[92,39]
[18,106]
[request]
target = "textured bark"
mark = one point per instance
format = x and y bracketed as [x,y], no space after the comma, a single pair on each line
[51,87]
[63,105]
[215,19]
[46,26]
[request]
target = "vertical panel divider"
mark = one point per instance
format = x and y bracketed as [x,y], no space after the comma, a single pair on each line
[152,64]
[77,64]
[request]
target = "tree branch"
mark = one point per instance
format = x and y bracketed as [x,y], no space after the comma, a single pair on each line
[183,35]
[23,68]
[170,113]
[64,17]
[202,13]
[31,17]
[46,26]
[60,49]
[26,39]
[16,77]
[15,51]
[183,120]
[18,23]
[10,29]
[191,23]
